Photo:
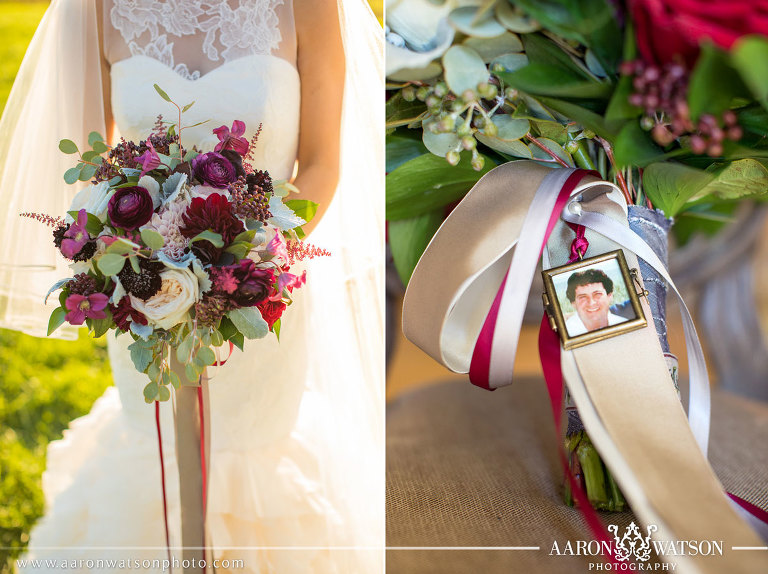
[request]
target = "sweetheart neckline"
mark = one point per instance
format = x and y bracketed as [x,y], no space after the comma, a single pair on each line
[210,72]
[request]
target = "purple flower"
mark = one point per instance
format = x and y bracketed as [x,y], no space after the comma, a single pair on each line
[232,139]
[254,284]
[214,169]
[130,207]
[82,306]
[76,236]
[149,160]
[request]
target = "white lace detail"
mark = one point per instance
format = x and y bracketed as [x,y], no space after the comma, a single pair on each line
[250,28]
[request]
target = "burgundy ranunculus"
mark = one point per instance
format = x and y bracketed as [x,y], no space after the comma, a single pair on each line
[130,207]
[253,284]
[214,169]
[670,29]
[215,213]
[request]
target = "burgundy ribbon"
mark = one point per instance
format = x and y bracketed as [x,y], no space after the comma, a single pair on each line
[162,480]
[549,351]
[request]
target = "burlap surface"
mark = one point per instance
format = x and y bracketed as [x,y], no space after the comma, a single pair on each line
[466,467]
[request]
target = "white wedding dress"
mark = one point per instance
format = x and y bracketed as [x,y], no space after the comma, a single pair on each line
[289,490]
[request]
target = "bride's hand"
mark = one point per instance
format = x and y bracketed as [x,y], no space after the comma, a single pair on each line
[321,68]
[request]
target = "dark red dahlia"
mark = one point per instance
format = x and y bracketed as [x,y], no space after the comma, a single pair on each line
[212,213]
[123,311]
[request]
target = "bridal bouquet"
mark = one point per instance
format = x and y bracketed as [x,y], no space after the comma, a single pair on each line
[181,250]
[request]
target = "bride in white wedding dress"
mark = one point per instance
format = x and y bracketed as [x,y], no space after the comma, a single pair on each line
[296,469]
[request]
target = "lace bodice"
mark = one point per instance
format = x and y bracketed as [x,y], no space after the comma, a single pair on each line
[193,37]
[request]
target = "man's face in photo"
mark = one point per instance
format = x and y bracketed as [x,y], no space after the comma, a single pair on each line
[591,304]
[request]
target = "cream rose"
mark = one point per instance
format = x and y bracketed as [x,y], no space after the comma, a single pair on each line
[169,306]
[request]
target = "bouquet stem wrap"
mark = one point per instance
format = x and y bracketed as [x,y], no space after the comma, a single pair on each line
[192,451]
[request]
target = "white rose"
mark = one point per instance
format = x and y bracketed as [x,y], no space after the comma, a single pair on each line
[168,307]
[151,185]
[94,199]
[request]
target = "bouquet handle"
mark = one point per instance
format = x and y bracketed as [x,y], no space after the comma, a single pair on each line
[192,452]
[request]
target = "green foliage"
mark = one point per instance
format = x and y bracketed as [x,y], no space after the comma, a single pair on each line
[46,383]
[408,238]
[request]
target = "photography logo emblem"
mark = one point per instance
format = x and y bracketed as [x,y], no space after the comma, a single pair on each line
[632,544]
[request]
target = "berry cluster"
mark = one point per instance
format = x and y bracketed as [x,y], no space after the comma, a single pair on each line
[210,309]
[83,284]
[249,196]
[463,115]
[662,93]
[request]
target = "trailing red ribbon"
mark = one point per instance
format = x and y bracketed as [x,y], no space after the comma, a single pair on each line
[200,405]
[231,350]
[162,480]
[549,350]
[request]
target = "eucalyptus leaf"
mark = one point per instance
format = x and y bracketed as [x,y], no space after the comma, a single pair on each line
[206,355]
[143,331]
[510,62]
[151,391]
[184,349]
[431,70]
[163,394]
[134,260]
[94,137]
[249,322]
[192,373]
[90,155]
[140,355]
[100,147]
[490,48]
[87,172]
[471,22]
[514,19]
[68,146]
[110,264]
[72,175]
[507,140]
[671,185]
[56,320]
[175,380]
[428,182]
[408,238]
[464,69]
[152,239]
[441,144]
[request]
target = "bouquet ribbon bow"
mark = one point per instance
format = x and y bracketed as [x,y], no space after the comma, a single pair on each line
[485,255]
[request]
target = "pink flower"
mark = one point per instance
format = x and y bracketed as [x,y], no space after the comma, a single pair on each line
[289,281]
[277,247]
[149,160]
[76,236]
[82,306]
[232,138]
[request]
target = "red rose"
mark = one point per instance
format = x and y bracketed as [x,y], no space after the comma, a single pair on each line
[669,28]
[271,311]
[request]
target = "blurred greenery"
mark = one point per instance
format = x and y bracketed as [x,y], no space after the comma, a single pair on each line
[45,382]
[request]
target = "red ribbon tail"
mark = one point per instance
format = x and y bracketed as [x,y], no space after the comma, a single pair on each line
[200,404]
[162,480]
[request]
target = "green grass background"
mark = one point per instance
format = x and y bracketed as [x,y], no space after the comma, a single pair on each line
[44,383]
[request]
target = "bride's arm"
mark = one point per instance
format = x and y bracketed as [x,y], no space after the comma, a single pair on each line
[321,68]
[106,85]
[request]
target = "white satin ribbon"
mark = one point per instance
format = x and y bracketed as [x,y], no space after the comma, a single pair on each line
[699,401]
